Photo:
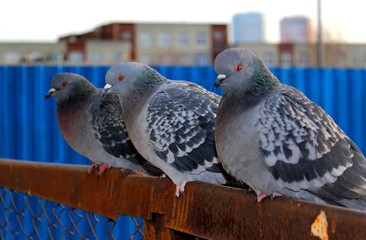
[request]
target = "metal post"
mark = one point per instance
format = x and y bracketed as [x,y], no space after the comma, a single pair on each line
[319,37]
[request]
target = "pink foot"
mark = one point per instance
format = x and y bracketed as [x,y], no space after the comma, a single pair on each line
[179,189]
[103,168]
[92,167]
[260,197]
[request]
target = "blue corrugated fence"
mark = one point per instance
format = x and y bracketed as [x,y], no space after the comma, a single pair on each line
[29,131]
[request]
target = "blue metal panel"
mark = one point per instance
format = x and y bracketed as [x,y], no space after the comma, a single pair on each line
[358,107]
[343,101]
[29,130]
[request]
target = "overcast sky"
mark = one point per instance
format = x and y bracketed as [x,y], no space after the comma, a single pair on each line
[47,20]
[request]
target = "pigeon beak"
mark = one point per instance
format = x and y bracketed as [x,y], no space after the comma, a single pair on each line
[106,88]
[50,93]
[220,79]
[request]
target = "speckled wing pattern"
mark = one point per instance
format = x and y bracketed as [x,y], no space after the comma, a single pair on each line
[181,123]
[301,144]
[109,126]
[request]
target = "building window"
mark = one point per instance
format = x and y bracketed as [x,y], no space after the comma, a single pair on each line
[268,59]
[145,40]
[34,57]
[201,39]
[75,57]
[145,58]
[166,60]
[117,56]
[126,35]
[202,60]
[183,39]
[164,40]
[72,39]
[285,59]
[364,58]
[12,57]
[55,57]
[355,61]
[186,60]
[96,57]
[303,59]
[218,35]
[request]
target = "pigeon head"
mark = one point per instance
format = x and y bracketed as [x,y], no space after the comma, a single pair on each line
[241,71]
[127,76]
[69,88]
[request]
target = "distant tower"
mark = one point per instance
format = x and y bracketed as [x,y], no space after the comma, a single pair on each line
[296,30]
[248,27]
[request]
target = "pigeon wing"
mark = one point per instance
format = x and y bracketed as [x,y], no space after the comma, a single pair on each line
[301,144]
[181,122]
[109,126]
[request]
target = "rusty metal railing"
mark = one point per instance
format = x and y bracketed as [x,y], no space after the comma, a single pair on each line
[205,211]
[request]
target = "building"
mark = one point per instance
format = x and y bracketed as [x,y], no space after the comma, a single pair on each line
[33,52]
[172,44]
[151,43]
[305,54]
[296,30]
[248,27]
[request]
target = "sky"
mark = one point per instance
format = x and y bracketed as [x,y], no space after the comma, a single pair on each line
[47,20]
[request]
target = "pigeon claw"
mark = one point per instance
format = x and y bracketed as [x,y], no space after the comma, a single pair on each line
[103,168]
[92,167]
[276,194]
[179,189]
[261,196]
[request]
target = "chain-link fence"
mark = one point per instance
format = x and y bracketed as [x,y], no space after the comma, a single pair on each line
[24,216]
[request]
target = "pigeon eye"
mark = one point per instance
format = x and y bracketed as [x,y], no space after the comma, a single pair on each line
[237,68]
[64,84]
[120,78]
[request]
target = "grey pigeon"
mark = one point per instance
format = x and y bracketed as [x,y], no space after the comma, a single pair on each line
[273,138]
[93,126]
[171,123]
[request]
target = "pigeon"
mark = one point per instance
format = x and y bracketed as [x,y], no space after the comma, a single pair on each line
[93,125]
[170,122]
[273,138]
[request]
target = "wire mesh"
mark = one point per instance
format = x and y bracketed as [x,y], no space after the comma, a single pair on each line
[23,216]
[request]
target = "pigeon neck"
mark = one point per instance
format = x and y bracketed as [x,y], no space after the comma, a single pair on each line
[258,87]
[74,100]
[132,101]
[261,84]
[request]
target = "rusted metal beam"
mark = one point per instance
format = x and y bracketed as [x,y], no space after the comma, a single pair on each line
[73,186]
[205,210]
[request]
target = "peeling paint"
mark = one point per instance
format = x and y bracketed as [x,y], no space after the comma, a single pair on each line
[319,228]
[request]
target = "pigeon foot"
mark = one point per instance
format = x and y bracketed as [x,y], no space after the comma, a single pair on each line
[261,196]
[92,167]
[276,194]
[179,189]
[103,168]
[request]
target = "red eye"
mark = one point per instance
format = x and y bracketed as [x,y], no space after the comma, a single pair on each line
[237,68]
[64,84]
[120,78]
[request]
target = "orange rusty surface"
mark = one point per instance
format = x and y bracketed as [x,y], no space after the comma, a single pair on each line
[205,210]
